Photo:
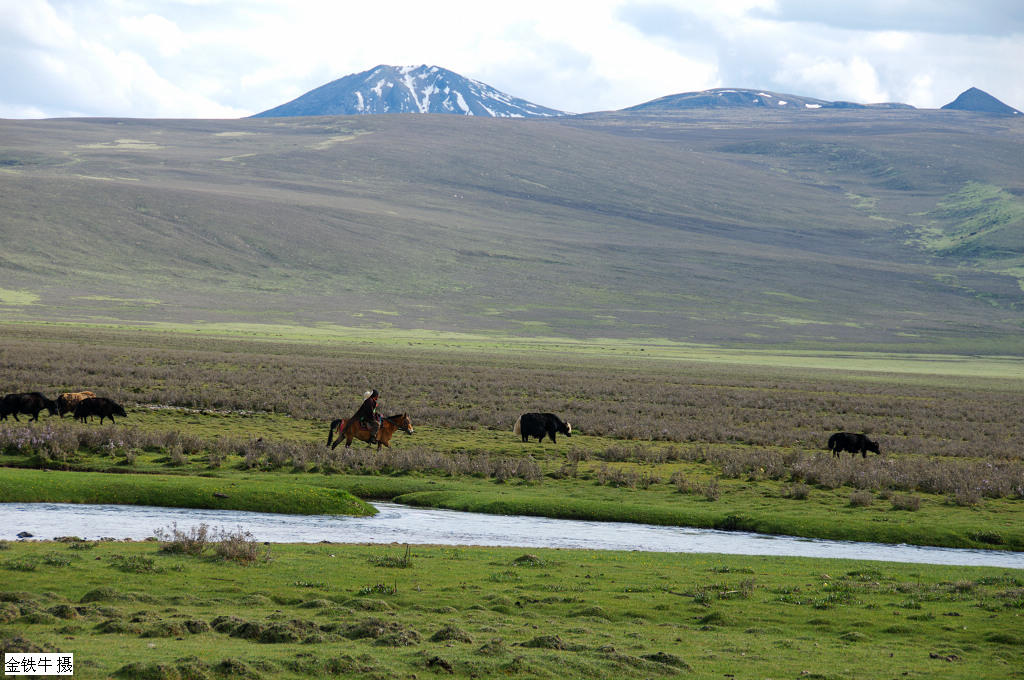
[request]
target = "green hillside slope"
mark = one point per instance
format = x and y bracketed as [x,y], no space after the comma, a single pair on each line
[835,228]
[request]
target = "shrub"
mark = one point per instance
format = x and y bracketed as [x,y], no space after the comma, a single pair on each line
[799,491]
[906,502]
[711,491]
[240,546]
[967,497]
[861,499]
[176,455]
[193,542]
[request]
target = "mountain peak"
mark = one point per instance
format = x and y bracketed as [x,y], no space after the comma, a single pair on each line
[408,89]
[974,99]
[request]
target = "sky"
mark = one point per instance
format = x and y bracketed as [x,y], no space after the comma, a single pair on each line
[234,58]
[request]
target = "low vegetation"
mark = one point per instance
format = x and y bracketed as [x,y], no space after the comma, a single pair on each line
[243,424]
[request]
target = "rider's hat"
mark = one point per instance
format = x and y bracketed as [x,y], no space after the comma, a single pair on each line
[370,393]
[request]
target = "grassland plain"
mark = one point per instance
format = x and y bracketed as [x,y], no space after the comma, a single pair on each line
[152,610]
[690,439]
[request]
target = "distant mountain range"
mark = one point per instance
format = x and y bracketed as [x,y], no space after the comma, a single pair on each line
[431,89]
[744,98]
[408,89]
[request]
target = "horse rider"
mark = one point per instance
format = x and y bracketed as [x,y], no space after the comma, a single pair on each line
[368,415]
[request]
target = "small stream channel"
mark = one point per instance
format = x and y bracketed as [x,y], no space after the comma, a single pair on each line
[404,524]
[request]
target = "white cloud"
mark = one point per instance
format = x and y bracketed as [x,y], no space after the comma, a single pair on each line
[32,23]
[156,30]
[988,18]
[853,79]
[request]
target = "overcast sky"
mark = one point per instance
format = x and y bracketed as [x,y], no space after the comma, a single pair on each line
[233,58]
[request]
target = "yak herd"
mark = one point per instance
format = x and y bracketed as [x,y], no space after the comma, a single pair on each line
[82,405]
[540,425]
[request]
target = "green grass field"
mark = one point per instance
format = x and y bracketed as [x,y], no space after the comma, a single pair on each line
[131,610]
[674,435]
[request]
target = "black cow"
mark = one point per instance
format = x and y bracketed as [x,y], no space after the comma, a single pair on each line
[29,403]
[540,424]
[854,443]
[98,406]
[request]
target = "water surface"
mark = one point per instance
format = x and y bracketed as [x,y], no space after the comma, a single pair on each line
[403,524]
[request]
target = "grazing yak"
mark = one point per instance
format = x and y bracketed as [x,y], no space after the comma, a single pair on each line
[854,443]
[28,403]
[67,402]
[98,406]
[540,424]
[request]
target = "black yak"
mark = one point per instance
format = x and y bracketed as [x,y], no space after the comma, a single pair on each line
[29,403]
[540,424]
[98,406]
[854,443]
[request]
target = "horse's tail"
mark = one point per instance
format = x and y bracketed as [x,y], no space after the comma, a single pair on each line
[336,424]
[515,428]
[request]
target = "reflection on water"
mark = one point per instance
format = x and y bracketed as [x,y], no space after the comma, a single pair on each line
[402,524]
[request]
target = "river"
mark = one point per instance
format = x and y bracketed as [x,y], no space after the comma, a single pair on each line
[404,524]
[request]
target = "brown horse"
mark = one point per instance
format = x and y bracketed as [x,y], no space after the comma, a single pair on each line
[351,429]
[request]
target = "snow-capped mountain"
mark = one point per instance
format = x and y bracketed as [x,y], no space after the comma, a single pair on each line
[408,89]
[745,98]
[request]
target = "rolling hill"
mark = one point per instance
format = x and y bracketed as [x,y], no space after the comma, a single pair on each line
[847,228]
